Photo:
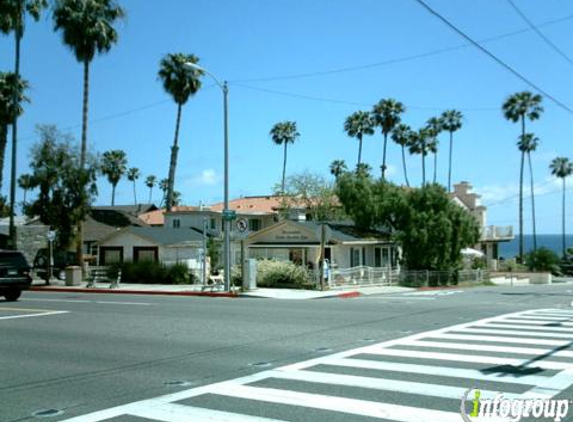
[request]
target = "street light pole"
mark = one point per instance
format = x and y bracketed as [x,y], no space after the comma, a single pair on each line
[226,218]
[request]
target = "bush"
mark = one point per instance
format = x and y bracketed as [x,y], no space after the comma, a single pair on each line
[543,259]
[149,272]
[272,273]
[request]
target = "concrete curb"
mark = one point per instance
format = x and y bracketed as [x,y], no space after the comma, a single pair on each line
[131,292]
[348,295]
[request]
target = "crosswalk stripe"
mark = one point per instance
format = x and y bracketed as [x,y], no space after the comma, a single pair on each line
[533,322]
[543,318]
[514,332]
[488,348]
[470,358]
[501,339]
[552,312]
[441,371]
[340,404]
[386,384]
[527,327]
[172,412]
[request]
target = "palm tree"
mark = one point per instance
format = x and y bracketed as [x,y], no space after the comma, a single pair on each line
[451,122]
[181,83]
[517,108]
[363,169]
[337,167]
[25,183]
[386,115]
[113,166]
[150,182]
[434,125]
[418,144]
[284,133]
[402,135]
[12,19]
[527,144]
[11,88]
[132,175]
[561,167]
[356,126]
[163,185]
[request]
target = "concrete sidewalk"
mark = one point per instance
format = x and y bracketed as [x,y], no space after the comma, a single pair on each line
[196,290]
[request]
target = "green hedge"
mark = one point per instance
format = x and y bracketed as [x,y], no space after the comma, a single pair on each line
[149,272]
[271,273]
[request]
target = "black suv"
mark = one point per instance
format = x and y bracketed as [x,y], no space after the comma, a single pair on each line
[14,274]
[61,261]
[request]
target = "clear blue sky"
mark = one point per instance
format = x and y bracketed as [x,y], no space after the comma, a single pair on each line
[248,41]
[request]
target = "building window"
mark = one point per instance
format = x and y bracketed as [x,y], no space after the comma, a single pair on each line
[254,225]
[176,223]
[377,257]
[213,224]
[363,256]
[145,253]
[354,257]
[111,255]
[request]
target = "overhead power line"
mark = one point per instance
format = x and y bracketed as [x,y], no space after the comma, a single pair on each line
[539,33]
[494,57]
[398,59]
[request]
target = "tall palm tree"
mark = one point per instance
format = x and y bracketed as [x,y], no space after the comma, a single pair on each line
[150,182]
[163,185]
[528,143]
[517,108]
[181,83]
[356,126]
[25,183]
[132,175]
[434,125]
[337,167]
[12,19]
[561,167]
[401,135]
[386,115]
[113,166]
[12,96]
[451,122]
[418,144]
[284,133]
[87,28]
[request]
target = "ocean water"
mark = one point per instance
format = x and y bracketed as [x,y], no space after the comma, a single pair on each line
[550,241]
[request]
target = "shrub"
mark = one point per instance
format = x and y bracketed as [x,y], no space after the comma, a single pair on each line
[542,259]
[272,273]
[150,272]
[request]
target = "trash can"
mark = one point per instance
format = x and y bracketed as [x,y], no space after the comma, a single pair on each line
[250,282]
[73,276]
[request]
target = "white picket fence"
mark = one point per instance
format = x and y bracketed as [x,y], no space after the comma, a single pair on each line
[363,276]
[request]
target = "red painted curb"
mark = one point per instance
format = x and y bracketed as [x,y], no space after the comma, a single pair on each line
[132,292]
[425,288]
[348,295]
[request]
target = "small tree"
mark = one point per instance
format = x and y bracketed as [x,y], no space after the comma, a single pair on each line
[132,175]
[114,166]
[25,183]
[150,182]
[65,189]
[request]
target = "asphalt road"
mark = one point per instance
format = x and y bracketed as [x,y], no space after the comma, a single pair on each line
[74,354]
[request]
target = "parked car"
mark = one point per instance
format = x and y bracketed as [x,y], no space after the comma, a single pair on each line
[14,274]
[62,259]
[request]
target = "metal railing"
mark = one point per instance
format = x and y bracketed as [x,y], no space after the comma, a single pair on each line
[363,276]
[496,232]
[441,278]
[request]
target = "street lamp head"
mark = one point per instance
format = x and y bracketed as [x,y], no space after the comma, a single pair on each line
[193,66]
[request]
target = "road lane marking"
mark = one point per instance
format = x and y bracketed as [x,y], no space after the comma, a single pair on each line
[502,339]
[528,327]
[514,332]
[89,301]
[34,315]
[173,412]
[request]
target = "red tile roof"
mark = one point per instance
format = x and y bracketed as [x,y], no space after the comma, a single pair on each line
[247,204]
[157,217]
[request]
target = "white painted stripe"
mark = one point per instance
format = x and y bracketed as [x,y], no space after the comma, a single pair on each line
[173,412]
[527,327]
[471,330]
[441,371]
[471,358]
[501,339]
[552,311]
[87,301]
[34,315]
[543,318]
[552,386]
[488,348]
[340,404]
[386,384]
[534,322]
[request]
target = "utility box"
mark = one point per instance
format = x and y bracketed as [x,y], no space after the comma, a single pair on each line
[250,280]
[73,276]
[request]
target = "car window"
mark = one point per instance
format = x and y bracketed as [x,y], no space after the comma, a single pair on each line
[12,259]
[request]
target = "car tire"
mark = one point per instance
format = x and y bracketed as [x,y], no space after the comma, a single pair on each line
[12,295]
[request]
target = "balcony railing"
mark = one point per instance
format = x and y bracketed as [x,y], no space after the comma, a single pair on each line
[497,233]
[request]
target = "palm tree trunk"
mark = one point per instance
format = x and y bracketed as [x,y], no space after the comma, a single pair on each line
[150,194]
[359,150]
[384,157]
[435,166]
[134,193]
[563,222]
[173,164]
[3,143]
[521,193]
[18,35]
[404,166]
[25,191]
[284,168]
[423,164]
[450,165]
[532,202]
[112,195]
